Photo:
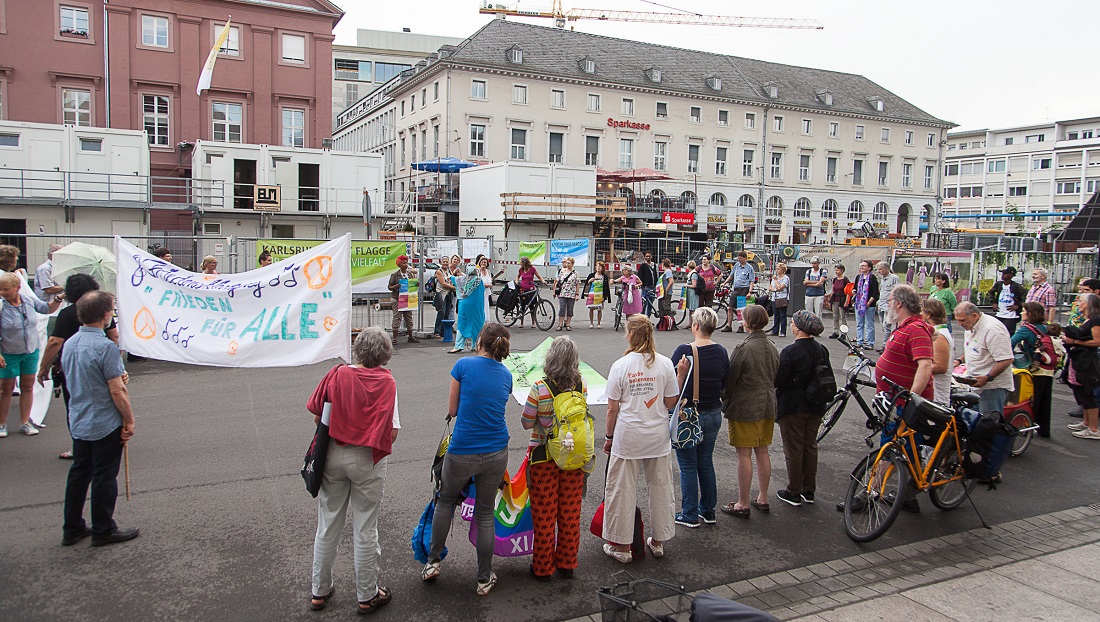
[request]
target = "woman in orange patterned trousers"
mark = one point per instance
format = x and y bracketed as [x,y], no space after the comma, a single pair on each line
[555,494]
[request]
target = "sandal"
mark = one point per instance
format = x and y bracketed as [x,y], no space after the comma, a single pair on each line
[732,509]
[66,455]
[483,589]
[454,351]
[763,507]
[623,557]
[658,550]
[431,571]
[383,597]
[318,603]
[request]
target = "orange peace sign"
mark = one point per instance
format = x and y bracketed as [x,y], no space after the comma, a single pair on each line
[232,348]
[145,325]
[318,271]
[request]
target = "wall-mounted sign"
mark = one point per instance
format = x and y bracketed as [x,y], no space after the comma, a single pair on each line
[716,219]
[267,198]
[803,222]
[881,225]
[632,125]
[678,218]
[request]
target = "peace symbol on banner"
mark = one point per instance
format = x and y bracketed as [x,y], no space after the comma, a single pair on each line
[145,325]
[318,271]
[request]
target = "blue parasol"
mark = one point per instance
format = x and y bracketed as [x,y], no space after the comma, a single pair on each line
[443,165]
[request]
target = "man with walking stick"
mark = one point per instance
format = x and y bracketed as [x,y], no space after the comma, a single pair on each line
[100,421]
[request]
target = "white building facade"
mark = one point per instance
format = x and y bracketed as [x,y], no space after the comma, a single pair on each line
[754,142]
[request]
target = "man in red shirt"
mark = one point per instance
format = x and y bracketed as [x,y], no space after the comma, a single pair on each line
[907,356]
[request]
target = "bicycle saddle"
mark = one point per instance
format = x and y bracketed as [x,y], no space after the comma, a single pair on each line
[969,398]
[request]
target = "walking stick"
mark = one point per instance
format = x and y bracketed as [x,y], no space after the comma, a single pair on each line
[126,464]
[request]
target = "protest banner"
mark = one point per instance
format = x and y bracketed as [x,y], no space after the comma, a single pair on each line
[293,312]
[372,262]
[535,251]
[526,368]
[577,249]
[513,524]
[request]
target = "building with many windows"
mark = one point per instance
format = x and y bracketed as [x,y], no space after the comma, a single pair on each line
[755,142]
[1025,179]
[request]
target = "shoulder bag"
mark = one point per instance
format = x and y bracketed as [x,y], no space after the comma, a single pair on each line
[313,468]
[684,424]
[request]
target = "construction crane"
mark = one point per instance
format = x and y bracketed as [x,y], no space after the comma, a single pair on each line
[560,17]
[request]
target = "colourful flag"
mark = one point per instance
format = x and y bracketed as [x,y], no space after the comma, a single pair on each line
[208,69]
[515,529]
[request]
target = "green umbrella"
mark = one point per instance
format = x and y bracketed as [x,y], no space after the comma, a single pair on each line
[81,258]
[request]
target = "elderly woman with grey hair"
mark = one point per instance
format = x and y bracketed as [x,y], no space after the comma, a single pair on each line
[363,424]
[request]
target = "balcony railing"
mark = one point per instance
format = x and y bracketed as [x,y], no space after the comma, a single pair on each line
[533,206]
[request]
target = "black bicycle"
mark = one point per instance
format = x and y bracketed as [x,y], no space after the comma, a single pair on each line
[649,305]
[858,369]
[719,304]
[528,303]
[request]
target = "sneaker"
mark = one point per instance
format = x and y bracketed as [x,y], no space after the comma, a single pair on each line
[808,497]
[28,429]
[3,431]
[789,497]
[709,518]
[681,519]
[1077,427]
[834,336]
[484,587]
[1087,433]
[623,557]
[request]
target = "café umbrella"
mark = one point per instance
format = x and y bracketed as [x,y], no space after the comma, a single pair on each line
[443,165]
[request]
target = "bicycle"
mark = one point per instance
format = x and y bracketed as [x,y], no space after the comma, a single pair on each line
[857,366]
[649,308]
[719,304]
[881,480]
[529,303]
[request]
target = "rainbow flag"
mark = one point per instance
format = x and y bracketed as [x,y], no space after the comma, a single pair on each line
[409,296]
[515,529]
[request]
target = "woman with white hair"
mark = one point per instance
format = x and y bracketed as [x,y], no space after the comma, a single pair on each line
[363,425]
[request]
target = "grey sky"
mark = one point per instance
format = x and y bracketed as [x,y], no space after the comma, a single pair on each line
[978,63]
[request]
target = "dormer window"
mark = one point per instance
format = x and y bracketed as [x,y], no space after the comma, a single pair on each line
[515,55]
[714,83]
[877,103]
[588,65]
[771,89]
[826,97]
[653,75]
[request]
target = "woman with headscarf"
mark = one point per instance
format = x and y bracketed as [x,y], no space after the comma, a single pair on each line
[471,309]
[797,411]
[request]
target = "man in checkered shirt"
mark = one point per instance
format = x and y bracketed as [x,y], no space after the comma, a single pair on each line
[1042,292]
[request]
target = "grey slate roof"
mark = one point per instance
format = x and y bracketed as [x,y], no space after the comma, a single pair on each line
[557,52]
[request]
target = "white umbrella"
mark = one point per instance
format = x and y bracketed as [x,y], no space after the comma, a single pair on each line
[783,232]
[829,233]
[81,258]
[903,228]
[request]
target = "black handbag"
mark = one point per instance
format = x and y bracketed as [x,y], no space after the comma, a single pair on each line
[313,467]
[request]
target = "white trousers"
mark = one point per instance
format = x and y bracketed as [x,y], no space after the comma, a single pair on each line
[621,497]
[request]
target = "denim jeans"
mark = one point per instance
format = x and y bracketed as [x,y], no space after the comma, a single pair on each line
[865,327]
[698,483]
[780,325]
[95,463]
[992,400]
[486,471]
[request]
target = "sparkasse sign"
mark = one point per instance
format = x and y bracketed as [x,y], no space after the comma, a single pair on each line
[678,218]
[633,125]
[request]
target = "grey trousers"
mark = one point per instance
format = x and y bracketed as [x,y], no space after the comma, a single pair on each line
[840,317]
[486,471]
[815,305]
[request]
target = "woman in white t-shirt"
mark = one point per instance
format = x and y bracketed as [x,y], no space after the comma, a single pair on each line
[943,349]
[641,387]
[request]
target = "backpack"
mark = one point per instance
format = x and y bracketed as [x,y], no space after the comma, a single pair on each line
[570,441]
[431,285]
[700,283]
[821,385]
[1045,356]
[667,322]
[987,446]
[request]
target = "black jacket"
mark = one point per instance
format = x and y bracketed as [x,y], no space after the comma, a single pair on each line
[1019,296]
[796,366]
[872,289]
[648,275]
[606,284]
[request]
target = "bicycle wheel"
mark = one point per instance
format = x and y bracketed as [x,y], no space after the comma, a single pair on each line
[508,318]
[723,312]
[683,316]
[832,414]
[874,492]
[1020,419]
[545,315]
[618,313]
[948,465]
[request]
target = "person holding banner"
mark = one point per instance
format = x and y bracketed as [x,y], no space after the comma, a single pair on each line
[264,260]
[664,288]
[400,282]
[19,345]
[598,285]
[210,265]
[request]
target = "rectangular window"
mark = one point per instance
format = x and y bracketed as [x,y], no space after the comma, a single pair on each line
[693,158]
[696,114]
[412,103]
[929,170]
[228,121]
[1092,185]
[1017,191]
[232,45]
[724,118]
[662,110]
[91,144]
[660,155]
[477,141]
[519,144]
[951,193]
[435,90]
[519,94]
[435,141]
[74,20]
[424,144]
[777,165]
[1009,140]
[294,48]
[423,97]
[628,107]
[931,140]
[857,172]
[996,166]
[804,167]
[830,170]
[1040,164]
[477,89]
[908,137]
[155,110]
[154,31]
[384,72]
[885,136]
[883,173]
[777,124]
[906,175]
[351,95]
[859,132]
[626,153]
[593,102]
[720,155]
[9,140]
[834,130]
[746,162]
[750,120]
[349,69]
[950,170]
[971,168]
[402,107]
[1086,134]
[557,98]
[1068,187]
[557,147]
[76,107]
[1034,138]
[807,126]
[592,150]
[412,143]
[403,153]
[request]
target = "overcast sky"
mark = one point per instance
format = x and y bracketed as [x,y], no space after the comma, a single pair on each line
[977,63]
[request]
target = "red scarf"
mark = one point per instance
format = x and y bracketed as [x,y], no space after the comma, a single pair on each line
[362,406]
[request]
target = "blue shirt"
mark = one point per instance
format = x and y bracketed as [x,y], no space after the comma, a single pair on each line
[19,325]
[743,276]
[480,427]
[90,360]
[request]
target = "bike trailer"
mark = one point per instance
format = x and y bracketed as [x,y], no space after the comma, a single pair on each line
[926,416]
[1024,387]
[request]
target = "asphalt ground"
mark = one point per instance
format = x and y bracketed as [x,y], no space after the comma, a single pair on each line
[227,527]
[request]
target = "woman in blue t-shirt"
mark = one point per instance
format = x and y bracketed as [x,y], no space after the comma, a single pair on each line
[480,387]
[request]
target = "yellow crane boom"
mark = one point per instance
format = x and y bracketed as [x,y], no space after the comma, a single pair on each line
[561,16]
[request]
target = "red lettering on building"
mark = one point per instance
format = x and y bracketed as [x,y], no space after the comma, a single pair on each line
[627,124]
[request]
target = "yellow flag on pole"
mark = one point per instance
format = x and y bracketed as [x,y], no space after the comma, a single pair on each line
[208,69]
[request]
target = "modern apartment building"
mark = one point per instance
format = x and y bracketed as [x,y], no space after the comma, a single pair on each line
[763,142]
[1025,179]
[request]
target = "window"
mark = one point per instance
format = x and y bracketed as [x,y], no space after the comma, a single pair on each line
[435,90]
[351,95]
[593,102]
[557,98]
[1092,185]
[951,192]
[883,173]
[294,48]
[828,209]
[9,140]
[746,162]
[777,165]
[76,107]
[1034,138]
[885,135]
[516,56]
[660,155]
[688,199]
[74,20]
[412,103]
[384,72]
[855,211]
[932,140]
[859,132]
[857,172]
[155,110]
[1086,134]
[424,144]
[881,212]
[592,150]
[724,118]
[929,170]
[626,153]
[435,141]
[423,97]
[477,89]
[802,208]
[774,207]
[91,144]
[228,120]
[970,191]
[519,144]
[154,31]
[807,126]
[519,94]
[908,137]
[996,166]
[557,147]
[402,107]
[693,158]
[1040,164]
[720,155]
[1068,187]
[717,199]
[412,143]
[662,110]
[750,120]
[477,141]
[745,200]
[232,45]
[403,153]
[906,175]
[804,167]
[834,130]
[830,169]
[588,66]
[1017,191]
[777,124]
[950,170]
[628,107]
[696,114]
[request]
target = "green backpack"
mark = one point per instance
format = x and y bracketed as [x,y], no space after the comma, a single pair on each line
[570,441]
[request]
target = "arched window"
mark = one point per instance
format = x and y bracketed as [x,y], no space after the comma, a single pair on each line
[626,192]
[855,211]
[774,207]
[881,211]
[657,194]
[745,201]
[688,199]
[828,210]
[717,199]
[802,208]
